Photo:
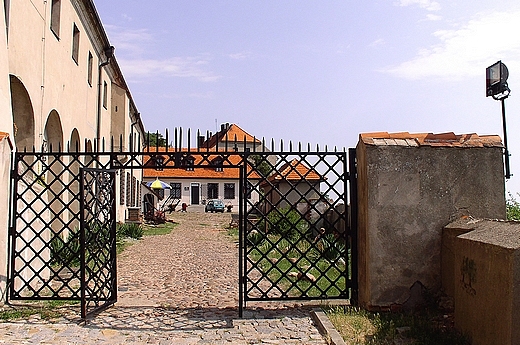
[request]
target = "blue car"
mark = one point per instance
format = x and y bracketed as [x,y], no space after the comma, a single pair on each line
[214,205]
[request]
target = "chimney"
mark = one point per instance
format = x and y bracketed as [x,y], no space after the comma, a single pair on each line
[200,141]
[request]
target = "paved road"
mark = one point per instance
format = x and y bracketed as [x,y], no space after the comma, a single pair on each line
[179,288]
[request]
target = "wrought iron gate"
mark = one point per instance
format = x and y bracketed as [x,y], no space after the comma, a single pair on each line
[297,221]
[98,240]
[298,241]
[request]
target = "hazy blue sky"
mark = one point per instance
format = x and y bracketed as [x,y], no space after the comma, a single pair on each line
[319,71]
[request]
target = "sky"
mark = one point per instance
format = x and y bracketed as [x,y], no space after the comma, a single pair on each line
[319,72]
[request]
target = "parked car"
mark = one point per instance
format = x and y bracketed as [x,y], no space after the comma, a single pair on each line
[214,206]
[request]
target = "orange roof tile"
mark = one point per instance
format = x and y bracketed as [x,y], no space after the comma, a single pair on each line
[296,170]
[231,133]
[430,139]
[199,172]
[4,135]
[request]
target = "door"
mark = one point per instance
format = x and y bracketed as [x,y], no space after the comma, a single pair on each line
[195,193]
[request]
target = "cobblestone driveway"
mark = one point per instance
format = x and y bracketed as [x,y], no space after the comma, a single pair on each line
[179,288]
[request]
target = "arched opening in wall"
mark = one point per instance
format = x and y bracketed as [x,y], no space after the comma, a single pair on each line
[23,115]
[74,145]
[55,178]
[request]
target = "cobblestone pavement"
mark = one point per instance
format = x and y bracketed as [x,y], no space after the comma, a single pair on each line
[179,288]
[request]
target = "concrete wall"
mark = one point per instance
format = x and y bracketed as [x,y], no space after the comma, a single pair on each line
[409,188]
[486,281]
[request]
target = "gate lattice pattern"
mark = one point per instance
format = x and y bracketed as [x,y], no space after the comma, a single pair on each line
[98,240]
[298,238]
[45,222]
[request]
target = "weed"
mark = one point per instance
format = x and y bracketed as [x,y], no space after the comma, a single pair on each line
[358,326]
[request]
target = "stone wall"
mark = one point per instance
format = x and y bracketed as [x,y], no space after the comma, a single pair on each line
[409,187]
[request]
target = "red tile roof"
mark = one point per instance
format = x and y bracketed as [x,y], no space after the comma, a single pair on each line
[231,133]
[198,172]
[430,139]
[296,171]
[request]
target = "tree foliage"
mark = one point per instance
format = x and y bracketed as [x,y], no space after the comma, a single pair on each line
[512,208]
[155,138]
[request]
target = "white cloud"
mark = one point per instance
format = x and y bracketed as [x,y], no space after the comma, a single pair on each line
[426,4]
[240,56]
[180,67]
[433,17]
[466,51]
[377,43]
[128,40]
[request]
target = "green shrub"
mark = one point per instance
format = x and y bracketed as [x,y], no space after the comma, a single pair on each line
[255,237]
[129,230]
[66,252]
[331,248]
[512,208]
[287,222]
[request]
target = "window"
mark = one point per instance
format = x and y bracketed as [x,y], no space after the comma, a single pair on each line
[229,190]
[189,163]
[105,94]
[175,190]
[90,64]
[218,162]
[128,182]
[212,190]
[75,44]
[55,17]
[7,5]
[122,188]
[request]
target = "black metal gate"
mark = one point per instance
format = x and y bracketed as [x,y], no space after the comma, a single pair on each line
[98,240]
[298,241]
[297,221]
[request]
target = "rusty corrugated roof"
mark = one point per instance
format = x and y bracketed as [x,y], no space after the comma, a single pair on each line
[449,139]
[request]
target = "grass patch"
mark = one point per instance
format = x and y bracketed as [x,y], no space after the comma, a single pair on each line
[233,233]
[46,310]
[286,261]
[161,229]
[360,327]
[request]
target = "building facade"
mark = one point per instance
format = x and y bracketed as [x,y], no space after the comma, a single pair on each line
[61,88]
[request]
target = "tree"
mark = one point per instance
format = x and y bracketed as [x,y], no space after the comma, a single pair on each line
[261,164]
[154,139]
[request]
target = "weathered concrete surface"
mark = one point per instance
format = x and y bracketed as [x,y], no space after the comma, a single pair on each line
[408,191]
[487,282]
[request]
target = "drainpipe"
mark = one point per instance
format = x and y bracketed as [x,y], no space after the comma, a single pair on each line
[109,53]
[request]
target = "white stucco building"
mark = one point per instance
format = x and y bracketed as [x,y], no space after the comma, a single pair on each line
[60,86]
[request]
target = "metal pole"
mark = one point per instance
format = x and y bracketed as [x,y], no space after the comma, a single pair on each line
[506,151]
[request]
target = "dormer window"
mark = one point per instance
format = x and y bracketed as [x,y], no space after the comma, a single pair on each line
[189,163]
[218,163]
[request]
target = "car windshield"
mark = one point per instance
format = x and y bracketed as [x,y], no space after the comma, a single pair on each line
[218,203]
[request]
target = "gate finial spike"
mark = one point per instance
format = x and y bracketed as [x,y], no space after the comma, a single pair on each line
[166,141]
[272,144]
[121,143]
[290,146]
[189,139]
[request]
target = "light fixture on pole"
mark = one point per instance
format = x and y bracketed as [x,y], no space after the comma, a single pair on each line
[496,87]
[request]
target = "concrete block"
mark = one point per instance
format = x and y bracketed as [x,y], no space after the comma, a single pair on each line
[487,283]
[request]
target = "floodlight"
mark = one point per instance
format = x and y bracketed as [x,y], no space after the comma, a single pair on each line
[496,79]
